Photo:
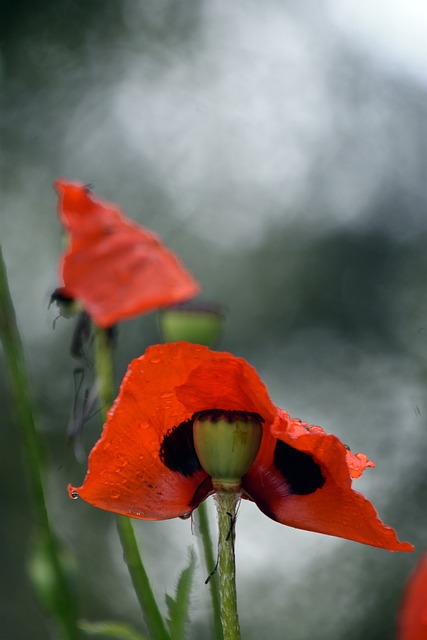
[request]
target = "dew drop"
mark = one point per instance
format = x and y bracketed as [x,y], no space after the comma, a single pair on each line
[185,516]
[74,495]
[167,394]
[155,360]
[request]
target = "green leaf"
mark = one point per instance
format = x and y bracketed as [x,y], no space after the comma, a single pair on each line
[108,629]
[178,606]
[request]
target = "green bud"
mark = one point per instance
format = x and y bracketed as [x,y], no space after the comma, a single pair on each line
[191,322]
[226,444]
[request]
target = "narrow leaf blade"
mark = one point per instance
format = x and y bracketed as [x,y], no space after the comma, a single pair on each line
[108,629]
[178,606]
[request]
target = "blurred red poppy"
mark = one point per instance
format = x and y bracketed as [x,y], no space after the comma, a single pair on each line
[145,464]
[115,268]
[412,622]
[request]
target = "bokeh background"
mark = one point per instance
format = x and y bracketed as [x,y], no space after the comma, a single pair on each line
[280,149]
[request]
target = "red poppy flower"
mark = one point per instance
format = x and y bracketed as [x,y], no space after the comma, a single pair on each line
[115,268]
[145,464]
[412,624]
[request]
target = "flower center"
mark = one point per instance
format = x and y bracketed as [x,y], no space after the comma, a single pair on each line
[226,444]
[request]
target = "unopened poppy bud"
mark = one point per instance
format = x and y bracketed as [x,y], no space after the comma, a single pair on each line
[226,444]
[200,323]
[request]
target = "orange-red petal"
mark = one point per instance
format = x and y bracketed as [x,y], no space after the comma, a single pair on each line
[412,621]
[162,389]
[333,508]
[115,268]
[357,463]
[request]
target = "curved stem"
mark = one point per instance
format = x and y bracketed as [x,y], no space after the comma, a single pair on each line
[63,598]
[131,554]
[226,507]
[140,579]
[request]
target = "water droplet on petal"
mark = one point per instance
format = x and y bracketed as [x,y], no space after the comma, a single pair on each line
[74,494]
[155,360]
[167,394]
[185,516]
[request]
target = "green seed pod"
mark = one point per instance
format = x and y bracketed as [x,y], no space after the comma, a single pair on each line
[226,444]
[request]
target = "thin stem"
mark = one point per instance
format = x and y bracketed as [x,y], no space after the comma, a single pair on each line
[104,368]
[226,507]
[140,579]
[131,554]
[63,598]
[207,545]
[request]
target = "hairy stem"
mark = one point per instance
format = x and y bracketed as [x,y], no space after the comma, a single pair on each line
[226,507]
[206,539]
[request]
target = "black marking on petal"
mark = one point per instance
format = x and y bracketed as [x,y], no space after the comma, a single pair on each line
[300,471]
[177,450]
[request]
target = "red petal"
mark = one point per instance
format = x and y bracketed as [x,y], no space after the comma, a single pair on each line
[412,623]
[334,508]
[114,267]
[357,463]
[170,383]
[223,381]
[126,474]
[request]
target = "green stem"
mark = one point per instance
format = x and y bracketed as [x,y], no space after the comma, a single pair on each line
[131,554]
[104,368]
[208,553]
[226,507]
[140,580]
[64,602]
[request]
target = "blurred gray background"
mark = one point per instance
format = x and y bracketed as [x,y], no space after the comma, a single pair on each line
[280,149]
